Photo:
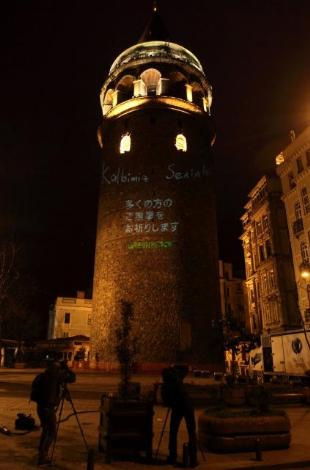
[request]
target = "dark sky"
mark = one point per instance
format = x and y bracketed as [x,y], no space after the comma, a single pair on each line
[54,58]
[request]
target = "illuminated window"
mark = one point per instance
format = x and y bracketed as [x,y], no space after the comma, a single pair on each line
[291,180]
[299,164]
[305,200]
[297,208]
[181,142]
[189,92]
[125,144]
[151,78]
[304,252]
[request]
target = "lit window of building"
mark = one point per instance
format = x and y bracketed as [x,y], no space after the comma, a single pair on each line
[299,164]
[297,207]
[181,142]
[268,248]
[189,92]
[258,227]
[305,200]
[304,252]
[265,222]
[272,280]
[261,253]
[125,144]
[291,180]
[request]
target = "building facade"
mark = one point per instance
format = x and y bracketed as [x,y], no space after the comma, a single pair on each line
[70,316]
[156,244]
[233,295]
[270,282]
[293,168]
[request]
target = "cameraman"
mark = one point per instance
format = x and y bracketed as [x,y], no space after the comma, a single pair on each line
[50,386]
[176,397]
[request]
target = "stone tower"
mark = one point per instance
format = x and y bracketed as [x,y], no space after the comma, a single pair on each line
[156,237]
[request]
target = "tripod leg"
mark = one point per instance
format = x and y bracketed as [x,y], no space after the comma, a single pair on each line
[61,405]
[201,451]
[78,421]
[162,433]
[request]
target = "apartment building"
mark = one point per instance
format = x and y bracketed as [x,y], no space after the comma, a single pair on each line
[270,281]
[293,168]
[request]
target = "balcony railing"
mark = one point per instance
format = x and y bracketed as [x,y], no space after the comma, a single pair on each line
[298,227]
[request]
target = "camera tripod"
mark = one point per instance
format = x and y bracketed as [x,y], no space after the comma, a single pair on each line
[185,446]
[65,395]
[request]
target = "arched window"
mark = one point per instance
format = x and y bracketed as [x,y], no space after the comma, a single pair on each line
[151,78]
[178,85]
[107,100]
[125,88]
[198,94]
[181,142]
[125,143]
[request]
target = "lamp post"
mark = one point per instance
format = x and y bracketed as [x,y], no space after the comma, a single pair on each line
[304,270]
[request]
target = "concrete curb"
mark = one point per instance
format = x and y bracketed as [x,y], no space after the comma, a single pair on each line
[284,466]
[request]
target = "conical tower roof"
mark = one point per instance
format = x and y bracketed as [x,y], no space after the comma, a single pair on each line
[155,29]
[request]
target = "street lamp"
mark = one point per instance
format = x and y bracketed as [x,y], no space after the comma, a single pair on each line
[305,271]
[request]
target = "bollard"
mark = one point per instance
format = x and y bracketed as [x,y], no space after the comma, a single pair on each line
[90,459]
[258,450]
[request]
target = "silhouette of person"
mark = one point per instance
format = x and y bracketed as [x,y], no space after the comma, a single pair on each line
[48,396]
[175,396]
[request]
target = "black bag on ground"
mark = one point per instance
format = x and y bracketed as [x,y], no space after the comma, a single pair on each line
[24,423]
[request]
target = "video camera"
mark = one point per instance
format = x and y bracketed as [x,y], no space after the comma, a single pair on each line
[176,372]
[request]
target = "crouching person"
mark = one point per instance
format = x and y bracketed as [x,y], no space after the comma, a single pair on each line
[47,391]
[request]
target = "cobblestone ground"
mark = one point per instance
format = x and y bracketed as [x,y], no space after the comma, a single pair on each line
[20,452]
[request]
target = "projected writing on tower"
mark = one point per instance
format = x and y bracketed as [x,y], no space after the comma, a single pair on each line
[148,216]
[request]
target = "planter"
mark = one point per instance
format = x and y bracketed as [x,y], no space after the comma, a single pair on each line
[126,428]
[244,432]
[20,365]
[234,396]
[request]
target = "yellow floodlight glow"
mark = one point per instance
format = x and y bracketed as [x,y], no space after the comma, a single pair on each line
[305,271]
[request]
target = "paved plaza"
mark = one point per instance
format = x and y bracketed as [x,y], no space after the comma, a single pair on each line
[19,452]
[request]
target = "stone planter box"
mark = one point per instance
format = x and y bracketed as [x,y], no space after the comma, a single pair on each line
[20,365]
[244,433]
[234,396]
[126,428]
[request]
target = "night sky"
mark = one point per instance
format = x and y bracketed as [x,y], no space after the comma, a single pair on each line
[54,58]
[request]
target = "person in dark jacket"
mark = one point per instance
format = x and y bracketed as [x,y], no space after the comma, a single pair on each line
[177,398]
[51,390]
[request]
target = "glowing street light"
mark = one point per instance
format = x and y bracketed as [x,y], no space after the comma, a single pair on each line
[305,271]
